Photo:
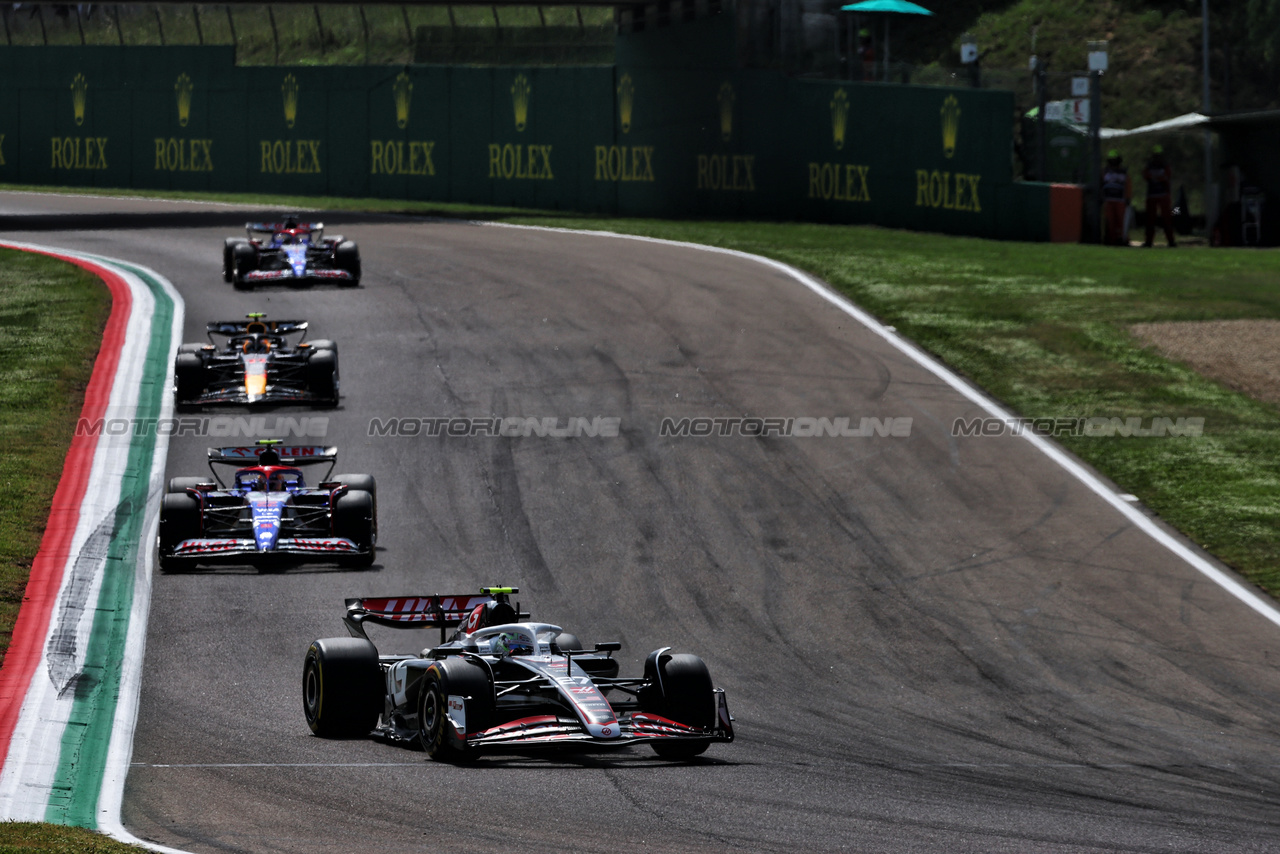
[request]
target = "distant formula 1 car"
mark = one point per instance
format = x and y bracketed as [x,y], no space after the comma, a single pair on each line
[260,361]
[267,515]
[289,252]
[502,684]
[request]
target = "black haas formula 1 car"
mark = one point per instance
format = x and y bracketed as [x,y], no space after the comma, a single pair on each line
[268,516]
[501,683]
[259,362]
[289,252]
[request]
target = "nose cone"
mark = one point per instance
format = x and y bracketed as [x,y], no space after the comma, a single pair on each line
[266,522]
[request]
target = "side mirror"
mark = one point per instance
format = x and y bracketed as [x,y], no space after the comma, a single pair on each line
[609,646]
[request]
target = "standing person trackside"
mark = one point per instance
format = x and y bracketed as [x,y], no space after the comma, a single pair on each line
[1117,191]
[1159,178]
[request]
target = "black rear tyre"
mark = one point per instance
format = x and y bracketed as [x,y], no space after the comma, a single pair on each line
[244,259]
[181,484]
[322,375]
[683,694]
[353,520]
[342,687]
[179,520]
[188,377]
[346,256]
[228,256]
[453,677]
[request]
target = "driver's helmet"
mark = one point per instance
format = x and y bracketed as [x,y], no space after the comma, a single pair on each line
[257,343]
[255,481]
[511,643]
[285,481]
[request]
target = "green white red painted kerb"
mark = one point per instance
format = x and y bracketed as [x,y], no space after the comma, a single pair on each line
[69,688]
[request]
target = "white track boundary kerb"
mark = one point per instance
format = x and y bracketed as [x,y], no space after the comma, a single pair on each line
[125,383]
[1263,606]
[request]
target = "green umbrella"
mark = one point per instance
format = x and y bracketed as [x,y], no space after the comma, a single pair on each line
[898,7]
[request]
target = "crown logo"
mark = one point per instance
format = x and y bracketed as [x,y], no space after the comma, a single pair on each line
[290,91]
[839,117]
[79,96]
[626,101]
[520,90]
[403,90]
[950,125]
[725,97]
[183,87]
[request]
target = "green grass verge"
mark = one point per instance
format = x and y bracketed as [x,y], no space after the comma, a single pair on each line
[51,320]
[20,837]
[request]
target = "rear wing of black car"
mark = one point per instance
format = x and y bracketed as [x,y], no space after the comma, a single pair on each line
[231,328]
[421,612]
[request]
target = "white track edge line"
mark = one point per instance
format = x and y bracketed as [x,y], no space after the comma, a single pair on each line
[1263,606]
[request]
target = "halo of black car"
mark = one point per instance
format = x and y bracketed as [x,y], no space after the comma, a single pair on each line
[268,516]
[289,252]
[502,684]
[258,361]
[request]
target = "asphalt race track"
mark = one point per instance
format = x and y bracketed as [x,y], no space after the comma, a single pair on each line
[929,643]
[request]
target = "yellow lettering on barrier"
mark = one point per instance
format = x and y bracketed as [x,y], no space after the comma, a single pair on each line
[393,157]
[290,157]
[78,153]
[843,182]
[953,192]
[727,173]
[623,163]
[184,155]
[520,162]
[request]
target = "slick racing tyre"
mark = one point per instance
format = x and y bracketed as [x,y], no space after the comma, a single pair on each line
[566,642]
[244,259]
[342,687]
[188,377]
[683,693]
[179,520]
[229,256]
[365,483]
[322,375]
[346,256]
[323,344]
[453,677]
[180,485]
[353,520]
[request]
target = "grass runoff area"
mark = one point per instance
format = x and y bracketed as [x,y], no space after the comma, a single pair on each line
[1041,327]
[20,837]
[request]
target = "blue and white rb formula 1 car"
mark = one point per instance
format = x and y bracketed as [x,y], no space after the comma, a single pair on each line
[268,516]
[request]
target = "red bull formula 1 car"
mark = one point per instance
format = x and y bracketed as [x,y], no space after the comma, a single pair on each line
[267,515]
[289,252]
[259,361]
[502,684]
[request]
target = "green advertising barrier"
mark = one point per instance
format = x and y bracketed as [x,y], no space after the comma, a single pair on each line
[650,136]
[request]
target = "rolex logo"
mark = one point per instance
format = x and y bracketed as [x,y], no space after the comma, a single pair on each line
[79,96]
[403,90]
[183,87]
[839,117]
[520,90]
[726,110]
[290,91]
[626,101]
[950,125]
